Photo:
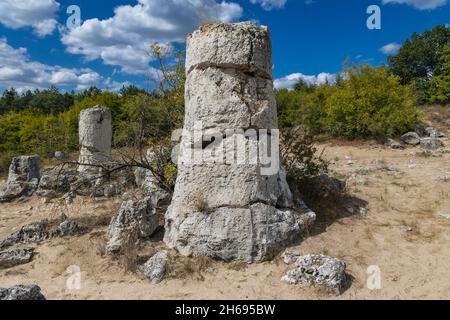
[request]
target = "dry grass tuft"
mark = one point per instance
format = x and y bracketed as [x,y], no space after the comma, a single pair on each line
[180,267]
[199,203]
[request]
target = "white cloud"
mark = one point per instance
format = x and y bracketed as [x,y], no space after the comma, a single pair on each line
[37,14]
[390,48]
[420,4]
[270,4]
[123,40]
[289,81]
[19,71]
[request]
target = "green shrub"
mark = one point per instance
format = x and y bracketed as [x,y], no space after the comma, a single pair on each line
[367,102]
[370,103]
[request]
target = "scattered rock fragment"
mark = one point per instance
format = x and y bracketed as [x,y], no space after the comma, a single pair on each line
[135,218]
[435,133]
[155,268]
[443,178]
[23,178]
[290,256]
[430,143]
[41,231]
[411,138]
[318,270]
[33,232]
[30,292]
[406,229]
[60,156]
[445,215]
[56,182]
[69,228]
[15,257]
[421,130]
[395,144]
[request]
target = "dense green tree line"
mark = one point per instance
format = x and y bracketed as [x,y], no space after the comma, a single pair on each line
[421,61]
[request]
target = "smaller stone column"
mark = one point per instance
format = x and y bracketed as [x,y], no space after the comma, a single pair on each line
[95,134]
[23,178]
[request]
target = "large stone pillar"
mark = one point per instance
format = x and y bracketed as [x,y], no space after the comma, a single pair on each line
[95,135]
[230,210]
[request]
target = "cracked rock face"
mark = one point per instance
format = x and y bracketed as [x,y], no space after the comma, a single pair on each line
[95,132]
[136,219]
[230,210]
[23,178]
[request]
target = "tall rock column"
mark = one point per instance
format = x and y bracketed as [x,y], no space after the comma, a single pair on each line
[229,209]
[95,133]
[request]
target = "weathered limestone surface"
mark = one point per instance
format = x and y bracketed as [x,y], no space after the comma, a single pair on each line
[155,268]
[229,210]
[40,231]
[95,134]
[136,219]
[15,257]
[317,270]
[31,292]
[23,178]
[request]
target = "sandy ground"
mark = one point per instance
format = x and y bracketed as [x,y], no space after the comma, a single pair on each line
[398,186]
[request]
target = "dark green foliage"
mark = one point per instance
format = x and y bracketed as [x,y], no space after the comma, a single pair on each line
[440,83]
[419,58]
[367,102]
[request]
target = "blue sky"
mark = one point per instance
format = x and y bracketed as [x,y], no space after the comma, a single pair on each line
[311,38]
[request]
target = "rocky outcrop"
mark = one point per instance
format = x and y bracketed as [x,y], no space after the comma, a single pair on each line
[23,178]
[136,219]
[230,210]
[411,138]
[15,257]
[30,292]
[41,231]
[431,143]
[95,132]
[155,268]
[56,182]
[318,270]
